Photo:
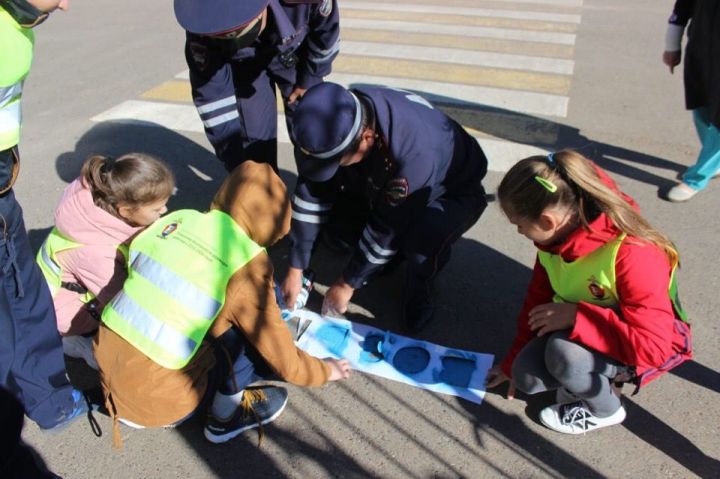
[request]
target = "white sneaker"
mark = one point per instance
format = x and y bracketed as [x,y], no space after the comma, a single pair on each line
[681,192]
[80,347]
[574,418]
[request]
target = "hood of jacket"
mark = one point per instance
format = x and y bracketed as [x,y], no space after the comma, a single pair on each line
[80,220]
[256,198]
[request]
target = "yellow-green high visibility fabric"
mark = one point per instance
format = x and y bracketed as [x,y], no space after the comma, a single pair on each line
[592,278]
[16,47]
[50,266]
[178,273]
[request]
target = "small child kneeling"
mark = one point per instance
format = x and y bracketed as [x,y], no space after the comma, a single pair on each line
[83,258]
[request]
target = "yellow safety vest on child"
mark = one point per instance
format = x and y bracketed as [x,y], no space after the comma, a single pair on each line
[591,278]
[178,272]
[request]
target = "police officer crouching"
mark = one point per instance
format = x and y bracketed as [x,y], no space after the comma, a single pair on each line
[417,171]
[239,51]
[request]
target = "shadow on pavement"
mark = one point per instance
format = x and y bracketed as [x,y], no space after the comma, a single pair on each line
[198,174]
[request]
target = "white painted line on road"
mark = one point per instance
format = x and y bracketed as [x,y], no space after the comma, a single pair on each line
[564,3]
[469,12]
[460,30]
[501,154]
[456,94]
[463,57]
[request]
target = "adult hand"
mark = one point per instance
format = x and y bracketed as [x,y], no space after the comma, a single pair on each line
[339,368]
[549,317]
[296,94]
[291,287]
[496,377]
[337,298]
[672,59]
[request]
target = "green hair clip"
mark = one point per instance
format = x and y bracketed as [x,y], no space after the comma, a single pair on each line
[547,184]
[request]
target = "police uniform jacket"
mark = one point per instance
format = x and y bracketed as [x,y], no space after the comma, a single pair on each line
[420,155]
[298,45]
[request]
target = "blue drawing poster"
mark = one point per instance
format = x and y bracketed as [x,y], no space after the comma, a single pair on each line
[415,362]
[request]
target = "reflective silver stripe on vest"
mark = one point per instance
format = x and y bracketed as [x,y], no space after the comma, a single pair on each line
[48,260]
[174,286]
[153,329]
[10,93]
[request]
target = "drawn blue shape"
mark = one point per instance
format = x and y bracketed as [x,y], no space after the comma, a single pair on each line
[372,348]
[334,337]
[411,360]
[457,371]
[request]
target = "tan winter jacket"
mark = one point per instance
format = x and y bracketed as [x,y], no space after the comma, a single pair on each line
[147,394]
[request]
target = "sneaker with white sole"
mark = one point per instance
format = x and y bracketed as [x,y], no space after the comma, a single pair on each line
[575,418]
[681,192]
[259,406]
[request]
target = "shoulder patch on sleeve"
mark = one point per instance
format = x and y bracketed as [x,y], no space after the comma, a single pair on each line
[396,190]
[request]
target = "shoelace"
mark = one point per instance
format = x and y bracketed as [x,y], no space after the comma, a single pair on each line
[250,397]
[575,415]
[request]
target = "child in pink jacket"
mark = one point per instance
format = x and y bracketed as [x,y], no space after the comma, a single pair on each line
[82,258]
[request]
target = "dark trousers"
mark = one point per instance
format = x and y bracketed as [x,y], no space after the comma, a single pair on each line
[32,365]
[427,243]
[237,364]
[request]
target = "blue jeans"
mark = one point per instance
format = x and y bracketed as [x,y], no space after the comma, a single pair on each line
[32,366]
[708,162]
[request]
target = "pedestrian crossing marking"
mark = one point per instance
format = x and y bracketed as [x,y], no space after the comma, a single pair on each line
[468,75]
[463,30]
[496,67]
[545,50]
[460,20]
[172,90]
[460,11]
[459,57]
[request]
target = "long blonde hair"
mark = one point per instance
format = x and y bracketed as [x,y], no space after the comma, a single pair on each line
[134,179]
[580,188]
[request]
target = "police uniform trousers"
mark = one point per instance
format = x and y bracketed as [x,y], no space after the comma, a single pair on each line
[239,109]
[32,365]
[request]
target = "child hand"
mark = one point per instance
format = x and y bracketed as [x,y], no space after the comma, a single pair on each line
[339,368]
[496,377]
[550,317]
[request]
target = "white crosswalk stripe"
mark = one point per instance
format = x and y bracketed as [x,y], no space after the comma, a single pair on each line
[512,59]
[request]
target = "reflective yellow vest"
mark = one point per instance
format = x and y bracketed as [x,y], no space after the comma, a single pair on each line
[178,272]
[50,266]
[16,47]
[591,278]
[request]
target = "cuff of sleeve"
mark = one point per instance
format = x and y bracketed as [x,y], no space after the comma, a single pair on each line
[306,80]
[673,37]
[356,283]
[299,259]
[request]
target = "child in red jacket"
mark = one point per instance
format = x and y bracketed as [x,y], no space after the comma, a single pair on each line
[602,305]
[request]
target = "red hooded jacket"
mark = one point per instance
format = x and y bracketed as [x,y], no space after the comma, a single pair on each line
[646,334]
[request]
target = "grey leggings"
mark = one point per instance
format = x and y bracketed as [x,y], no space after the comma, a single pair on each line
[553,361]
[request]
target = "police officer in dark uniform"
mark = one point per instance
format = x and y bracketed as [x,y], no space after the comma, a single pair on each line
[417,171]
[239,51]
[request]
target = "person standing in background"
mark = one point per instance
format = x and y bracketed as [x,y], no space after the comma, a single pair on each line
[702,86]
